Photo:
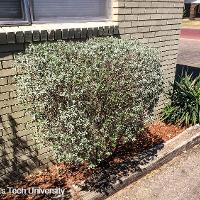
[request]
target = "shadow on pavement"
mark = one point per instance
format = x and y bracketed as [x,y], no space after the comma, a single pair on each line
[182,69]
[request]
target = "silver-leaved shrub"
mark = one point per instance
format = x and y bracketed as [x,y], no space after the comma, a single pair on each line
[86,97]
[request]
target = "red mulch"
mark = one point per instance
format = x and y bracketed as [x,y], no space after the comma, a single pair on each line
[164,131]
[64,176]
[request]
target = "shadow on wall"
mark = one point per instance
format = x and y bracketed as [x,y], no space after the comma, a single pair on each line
[17,156]
[181,69]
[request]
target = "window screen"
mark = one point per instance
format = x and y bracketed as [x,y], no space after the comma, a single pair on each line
[54,10]
[10,9]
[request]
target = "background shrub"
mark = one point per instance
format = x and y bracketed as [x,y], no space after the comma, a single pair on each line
[86,97]
[184,108]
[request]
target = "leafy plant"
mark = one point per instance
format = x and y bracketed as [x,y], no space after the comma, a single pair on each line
[185,13]
[184,108]
[86,97]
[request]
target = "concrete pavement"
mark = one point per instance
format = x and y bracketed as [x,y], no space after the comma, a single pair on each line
[189,53]
[177,180]
[189,47]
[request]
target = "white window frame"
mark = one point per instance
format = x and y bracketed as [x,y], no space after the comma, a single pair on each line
[26,18]
[29,16]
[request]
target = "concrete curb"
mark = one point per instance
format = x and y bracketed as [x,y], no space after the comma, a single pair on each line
[172,148]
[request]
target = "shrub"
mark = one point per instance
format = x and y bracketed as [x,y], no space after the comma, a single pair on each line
[184,108]
[185,13]
[86,97]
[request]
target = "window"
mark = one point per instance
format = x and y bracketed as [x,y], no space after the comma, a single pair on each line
[39,11]
[13,11]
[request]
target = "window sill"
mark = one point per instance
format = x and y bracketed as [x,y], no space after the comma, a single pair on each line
[51,32]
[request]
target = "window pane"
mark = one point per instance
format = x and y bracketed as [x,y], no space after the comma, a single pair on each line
[71,9]
[10,9]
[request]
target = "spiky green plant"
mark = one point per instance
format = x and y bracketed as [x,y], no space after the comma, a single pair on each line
[184,108]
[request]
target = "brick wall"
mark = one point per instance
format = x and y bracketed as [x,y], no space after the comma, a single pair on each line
[157,23]
[18,153]
[154,22]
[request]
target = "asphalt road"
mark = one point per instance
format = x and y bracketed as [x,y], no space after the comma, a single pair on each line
[177,180]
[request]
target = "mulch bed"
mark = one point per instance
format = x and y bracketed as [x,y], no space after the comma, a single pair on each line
[64,176]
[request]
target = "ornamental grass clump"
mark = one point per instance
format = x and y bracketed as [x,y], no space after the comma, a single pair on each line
[87,97]
[184,108]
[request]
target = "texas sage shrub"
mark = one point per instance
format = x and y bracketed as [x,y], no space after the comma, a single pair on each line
[87,97]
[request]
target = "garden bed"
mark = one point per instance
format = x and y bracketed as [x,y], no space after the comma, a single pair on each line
[125,159]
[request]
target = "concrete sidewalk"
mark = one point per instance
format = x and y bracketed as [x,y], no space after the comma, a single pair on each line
[177,180]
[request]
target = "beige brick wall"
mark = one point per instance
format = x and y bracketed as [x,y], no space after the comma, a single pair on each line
[156,23]
[18,153]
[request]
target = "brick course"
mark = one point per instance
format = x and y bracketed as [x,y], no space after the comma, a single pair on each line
[154,22]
